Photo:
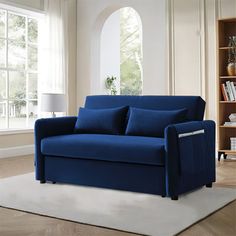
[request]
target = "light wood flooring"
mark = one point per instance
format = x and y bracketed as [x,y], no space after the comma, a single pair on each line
[17,223]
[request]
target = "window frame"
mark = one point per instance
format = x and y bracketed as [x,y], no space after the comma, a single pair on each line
[28,14]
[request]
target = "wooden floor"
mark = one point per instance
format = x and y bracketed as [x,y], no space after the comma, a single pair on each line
[17,223]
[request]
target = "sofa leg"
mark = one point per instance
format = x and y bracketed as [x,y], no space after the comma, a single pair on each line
[174,198]
[42,181]
[53,182]
[209,185]
[163,195]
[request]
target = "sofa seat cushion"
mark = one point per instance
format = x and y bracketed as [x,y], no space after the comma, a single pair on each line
[115,148]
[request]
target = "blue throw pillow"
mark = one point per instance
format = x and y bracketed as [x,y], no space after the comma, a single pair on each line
[143,122]
[101,121]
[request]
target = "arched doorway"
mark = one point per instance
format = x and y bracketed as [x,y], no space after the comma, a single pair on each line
[121,53]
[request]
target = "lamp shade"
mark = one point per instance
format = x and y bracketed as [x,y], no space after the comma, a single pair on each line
[52,102]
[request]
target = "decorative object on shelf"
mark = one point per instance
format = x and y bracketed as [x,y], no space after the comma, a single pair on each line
[111,85]
[232,117]
[53,102]
[231,67]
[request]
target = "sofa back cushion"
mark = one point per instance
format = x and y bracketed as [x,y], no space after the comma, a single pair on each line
[194,104]
[152,123]
[101,121]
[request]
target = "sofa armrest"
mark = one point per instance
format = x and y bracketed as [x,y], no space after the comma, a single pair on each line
[190,156]
[49,127]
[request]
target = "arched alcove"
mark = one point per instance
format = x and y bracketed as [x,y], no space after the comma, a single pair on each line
[107,55]
[91,16]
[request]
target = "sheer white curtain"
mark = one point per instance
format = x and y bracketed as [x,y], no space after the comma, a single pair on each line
[53,48]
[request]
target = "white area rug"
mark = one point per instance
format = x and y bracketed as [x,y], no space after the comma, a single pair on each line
[133,212]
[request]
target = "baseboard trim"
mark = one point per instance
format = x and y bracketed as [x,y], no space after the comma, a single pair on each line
[16,151]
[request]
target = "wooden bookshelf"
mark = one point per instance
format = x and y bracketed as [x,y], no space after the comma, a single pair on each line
[227,102]
[228,126]
[226,28]
[224,48]
[228,152]
[227,77]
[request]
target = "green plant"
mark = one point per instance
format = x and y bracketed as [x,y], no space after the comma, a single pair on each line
[111,85]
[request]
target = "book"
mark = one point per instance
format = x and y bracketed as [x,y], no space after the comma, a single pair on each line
[230,123]
[227,92]
[230,92]
[233,90]
[233,143]
[224,93]
[233,147]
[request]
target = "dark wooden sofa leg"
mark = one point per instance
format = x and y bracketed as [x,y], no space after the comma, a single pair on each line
[174,198]
[42,181]
[54,182]
[209,185]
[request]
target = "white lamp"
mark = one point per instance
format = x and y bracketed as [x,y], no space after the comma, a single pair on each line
[52,102]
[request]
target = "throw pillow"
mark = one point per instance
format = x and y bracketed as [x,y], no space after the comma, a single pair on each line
[101,121]
[143,122]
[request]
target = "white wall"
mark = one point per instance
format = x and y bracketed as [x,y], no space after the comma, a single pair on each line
[226,8]
[91,17]
[110,50]
[72,57]
[211,11]
[187,47]
[193,47]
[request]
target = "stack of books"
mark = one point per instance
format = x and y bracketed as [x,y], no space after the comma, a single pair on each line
[230,123]
[229,91]
[233,143]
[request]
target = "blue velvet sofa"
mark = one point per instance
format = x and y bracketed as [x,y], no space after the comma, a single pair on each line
[180,161]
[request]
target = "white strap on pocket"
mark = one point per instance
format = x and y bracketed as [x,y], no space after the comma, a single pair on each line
[200,131]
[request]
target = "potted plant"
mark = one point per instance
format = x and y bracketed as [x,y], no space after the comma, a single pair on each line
[231,67]
[111,85]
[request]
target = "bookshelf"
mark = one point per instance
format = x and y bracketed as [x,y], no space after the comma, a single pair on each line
[226,29]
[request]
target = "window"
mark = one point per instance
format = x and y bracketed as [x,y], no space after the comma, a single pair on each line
[18,70]
[122,57]
[131,56]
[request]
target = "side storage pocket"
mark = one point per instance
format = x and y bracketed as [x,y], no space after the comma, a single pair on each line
[192,151]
